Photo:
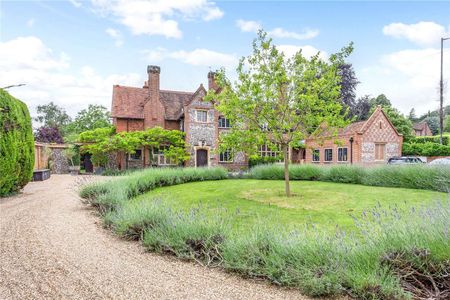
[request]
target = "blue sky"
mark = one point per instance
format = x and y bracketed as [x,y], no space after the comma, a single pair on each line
[72,52]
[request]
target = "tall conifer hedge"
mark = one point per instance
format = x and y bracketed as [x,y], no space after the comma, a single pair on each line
[16,144]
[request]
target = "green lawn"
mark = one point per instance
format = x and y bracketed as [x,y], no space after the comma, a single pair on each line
[321,203]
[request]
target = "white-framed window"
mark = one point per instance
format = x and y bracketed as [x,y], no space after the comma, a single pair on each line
[343,154]
[137,155]
[159,159]
[316,155]
[265,150]
[201,116]
[225,156]
[224,122]
[328,155]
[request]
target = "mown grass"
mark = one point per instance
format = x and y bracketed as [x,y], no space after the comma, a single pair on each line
[247,201]
[391,251]
[436,178]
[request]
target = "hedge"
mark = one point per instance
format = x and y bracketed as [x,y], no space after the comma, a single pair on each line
[16,145]
[432,139]
[426,149]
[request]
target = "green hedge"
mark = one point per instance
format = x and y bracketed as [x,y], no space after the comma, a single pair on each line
[426,149]
[16,145]
[431,139]
[436,178]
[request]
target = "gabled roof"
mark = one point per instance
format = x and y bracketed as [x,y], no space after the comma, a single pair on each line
[356,127]
[173,103]
[128,102]
[420,126]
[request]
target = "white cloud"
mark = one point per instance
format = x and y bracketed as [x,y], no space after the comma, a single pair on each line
[248,26]
[30,23]
[421,33]
[50,77]
[75,3]
[282,33]
[157,17]
[278,32]
[307,51]
[116,36]
[410,78]
[196,57]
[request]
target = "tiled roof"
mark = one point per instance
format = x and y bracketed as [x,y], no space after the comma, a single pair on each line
[128,102]
[349,129]
[173,103]
[420,126]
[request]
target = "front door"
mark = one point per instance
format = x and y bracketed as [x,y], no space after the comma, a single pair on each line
[87,163]
[202,158]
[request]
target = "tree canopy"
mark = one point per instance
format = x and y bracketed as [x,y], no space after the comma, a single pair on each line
[102,141]
[279,100]
[51,115]
[95,116]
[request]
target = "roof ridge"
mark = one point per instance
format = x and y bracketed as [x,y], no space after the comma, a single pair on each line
[176,92]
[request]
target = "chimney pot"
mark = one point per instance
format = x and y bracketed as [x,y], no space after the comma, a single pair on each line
[153,69]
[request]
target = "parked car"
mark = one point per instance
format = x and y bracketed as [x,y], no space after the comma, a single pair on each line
[441,161]
[404,160]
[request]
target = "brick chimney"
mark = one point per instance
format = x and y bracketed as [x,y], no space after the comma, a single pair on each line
[212,85]
[153,109]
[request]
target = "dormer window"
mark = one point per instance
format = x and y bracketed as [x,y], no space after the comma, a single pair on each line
[201,116]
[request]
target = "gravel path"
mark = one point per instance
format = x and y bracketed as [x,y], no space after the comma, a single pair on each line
[53,247]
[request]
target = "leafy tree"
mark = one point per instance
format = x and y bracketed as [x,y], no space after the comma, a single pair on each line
[101,141]
[95,116]
[412,115]
[380,100]
[48,135]
[433,122]
[447,124]
[51,116]
[360,111]
[278,100]
[348,86]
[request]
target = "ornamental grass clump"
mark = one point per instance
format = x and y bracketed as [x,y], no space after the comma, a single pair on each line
[435,178]
[109,195]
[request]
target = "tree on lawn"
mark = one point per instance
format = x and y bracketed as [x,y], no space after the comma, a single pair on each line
[277,100]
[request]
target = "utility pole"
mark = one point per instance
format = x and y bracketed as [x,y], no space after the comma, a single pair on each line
[441,92]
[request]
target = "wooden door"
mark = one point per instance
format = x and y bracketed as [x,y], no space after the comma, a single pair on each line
[202,158]
[379,151]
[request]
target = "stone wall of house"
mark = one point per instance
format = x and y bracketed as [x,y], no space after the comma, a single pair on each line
[380,131]
[58,161]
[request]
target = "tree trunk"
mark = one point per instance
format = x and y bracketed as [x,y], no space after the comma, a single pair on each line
[286,170]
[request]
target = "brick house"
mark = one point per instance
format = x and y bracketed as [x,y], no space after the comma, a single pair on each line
[422,129]
[366,142]
[135,108]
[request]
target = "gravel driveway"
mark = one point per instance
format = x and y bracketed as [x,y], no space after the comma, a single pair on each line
[53,247]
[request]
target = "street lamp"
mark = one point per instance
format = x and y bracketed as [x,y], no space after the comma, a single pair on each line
[441,90]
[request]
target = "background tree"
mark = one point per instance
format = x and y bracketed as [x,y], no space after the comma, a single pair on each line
[48,135]
[95,116]
[348,87]
[412,115]
[361,110]
[277,100]
[380,100]
[51,115]
[433,122]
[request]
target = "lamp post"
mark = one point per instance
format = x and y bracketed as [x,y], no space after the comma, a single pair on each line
[351,150]
[441,92]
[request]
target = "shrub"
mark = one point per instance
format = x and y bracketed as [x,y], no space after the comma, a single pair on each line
[426,149]
[16,144]
[108,196]
[436,178]
[432,139]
